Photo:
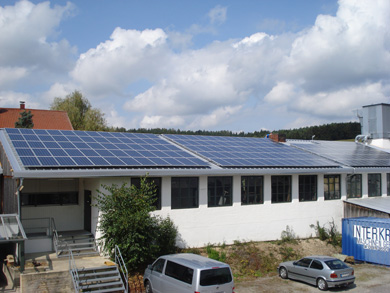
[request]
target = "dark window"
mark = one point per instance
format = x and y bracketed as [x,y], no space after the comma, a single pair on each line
[354,185]
[281,189]
[50,198]
[316,265]
[251,190]
[217,276]
[332,187]
[374,185]
[307,187]
[157,185]
[388,183]
[158,266]
[304,262]
[220,191]
[179,272]
[184,192]
[336,264]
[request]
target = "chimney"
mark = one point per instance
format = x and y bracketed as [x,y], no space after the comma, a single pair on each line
[278,138]
[22,107]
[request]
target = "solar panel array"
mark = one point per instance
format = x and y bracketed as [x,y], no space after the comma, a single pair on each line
[249,152]
[66,148]
[348,153]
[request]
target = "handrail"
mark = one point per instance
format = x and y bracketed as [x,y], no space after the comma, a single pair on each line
[119,260]
[74,272]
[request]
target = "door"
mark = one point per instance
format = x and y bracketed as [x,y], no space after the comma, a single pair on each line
[87,210]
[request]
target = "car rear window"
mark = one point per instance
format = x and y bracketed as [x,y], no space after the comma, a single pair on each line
[336,264]
[216,276]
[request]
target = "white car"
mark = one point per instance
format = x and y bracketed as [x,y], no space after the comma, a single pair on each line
[187,272]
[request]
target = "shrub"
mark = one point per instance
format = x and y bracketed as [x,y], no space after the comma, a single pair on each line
[288,236]
[126,220]
[331,234]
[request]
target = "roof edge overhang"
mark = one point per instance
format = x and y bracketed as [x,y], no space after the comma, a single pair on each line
[174,172]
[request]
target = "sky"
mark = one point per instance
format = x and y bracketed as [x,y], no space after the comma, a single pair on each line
[199,65]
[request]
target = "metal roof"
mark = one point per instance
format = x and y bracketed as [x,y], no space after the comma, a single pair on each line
[381,204]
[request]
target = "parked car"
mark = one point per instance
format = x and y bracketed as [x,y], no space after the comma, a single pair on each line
[187,272]
[321,271]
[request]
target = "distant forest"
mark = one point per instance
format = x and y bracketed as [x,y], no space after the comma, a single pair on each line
[333,131]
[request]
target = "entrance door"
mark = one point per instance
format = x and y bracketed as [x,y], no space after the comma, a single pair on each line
[87,210]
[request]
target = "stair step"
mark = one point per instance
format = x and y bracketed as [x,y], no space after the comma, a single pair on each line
[81,244]
[104,285]
[101,280]
[104,268]
[107,290]
[93,273]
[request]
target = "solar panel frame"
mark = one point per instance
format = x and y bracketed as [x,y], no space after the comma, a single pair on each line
[62,149]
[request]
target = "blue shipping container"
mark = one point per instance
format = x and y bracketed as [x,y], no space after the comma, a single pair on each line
[367,239]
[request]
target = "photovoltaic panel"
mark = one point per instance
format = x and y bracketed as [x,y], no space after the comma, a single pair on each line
[347,153]
[249,152]
[39,148]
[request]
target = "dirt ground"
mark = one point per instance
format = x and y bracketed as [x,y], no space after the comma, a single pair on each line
[369,278]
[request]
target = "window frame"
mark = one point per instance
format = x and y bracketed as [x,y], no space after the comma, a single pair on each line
[308,187]
[185,192]
[280,182]
[328,191]
[63,198]
[249,185]
[354,185]
[137,182]
[214,189]
[371,186]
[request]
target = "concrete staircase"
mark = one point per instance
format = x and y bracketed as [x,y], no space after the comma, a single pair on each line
[99,279]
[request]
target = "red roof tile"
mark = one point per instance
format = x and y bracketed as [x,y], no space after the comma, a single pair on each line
[42,119]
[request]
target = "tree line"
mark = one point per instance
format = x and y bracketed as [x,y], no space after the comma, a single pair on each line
[84,117]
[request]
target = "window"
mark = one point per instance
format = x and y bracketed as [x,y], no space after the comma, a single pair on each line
[220,191]
[251,190]
[184,193]
[50,198]
[388,183]
[332,187]
[307,187]
[281,189]
[354,185]
[179,272]
[215,276]
[374,185]
[157,184]
[304,262]
[317,265]
[158,266]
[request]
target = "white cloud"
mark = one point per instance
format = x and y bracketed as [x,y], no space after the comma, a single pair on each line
[217,15]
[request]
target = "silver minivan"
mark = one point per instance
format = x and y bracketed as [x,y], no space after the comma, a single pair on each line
[187,272]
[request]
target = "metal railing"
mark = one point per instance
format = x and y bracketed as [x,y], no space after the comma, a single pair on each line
[122,267]
[38,226]
[74,272]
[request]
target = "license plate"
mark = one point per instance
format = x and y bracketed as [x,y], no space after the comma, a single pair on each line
[344,275]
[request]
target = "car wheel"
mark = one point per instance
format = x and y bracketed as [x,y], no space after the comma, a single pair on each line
[283,273]
[148,287]
[322,284]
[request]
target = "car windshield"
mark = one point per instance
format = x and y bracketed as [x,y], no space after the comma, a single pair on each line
[216,276]
[336,264]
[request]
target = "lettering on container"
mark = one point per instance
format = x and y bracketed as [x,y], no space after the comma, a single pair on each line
[372,238]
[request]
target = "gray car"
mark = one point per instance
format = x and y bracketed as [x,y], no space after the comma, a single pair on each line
[321,271]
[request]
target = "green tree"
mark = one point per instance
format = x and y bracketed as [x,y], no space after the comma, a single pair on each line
[80,112]
[127,221]
[25,120]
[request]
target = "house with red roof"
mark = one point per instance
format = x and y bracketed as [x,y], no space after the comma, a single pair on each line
[42,119]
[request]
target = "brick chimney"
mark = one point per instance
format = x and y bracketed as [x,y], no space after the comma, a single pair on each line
[278,138]
[22,106]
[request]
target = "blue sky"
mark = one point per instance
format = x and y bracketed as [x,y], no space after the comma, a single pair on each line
[214,65]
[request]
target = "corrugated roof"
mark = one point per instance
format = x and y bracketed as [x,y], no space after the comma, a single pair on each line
[42,119]
[381,204]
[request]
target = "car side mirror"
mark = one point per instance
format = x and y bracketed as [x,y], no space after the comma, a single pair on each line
[294,263]
[150,267]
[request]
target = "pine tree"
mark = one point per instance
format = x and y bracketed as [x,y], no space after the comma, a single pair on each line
[25,120]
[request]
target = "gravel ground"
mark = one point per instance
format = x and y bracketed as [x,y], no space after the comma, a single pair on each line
[369,278]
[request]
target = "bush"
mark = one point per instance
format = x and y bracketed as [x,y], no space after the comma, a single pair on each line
[288,236]
[126,220]
[331,234]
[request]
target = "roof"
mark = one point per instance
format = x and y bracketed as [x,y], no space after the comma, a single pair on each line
[381,204]
[42,119]
[35,153]
[194,261]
